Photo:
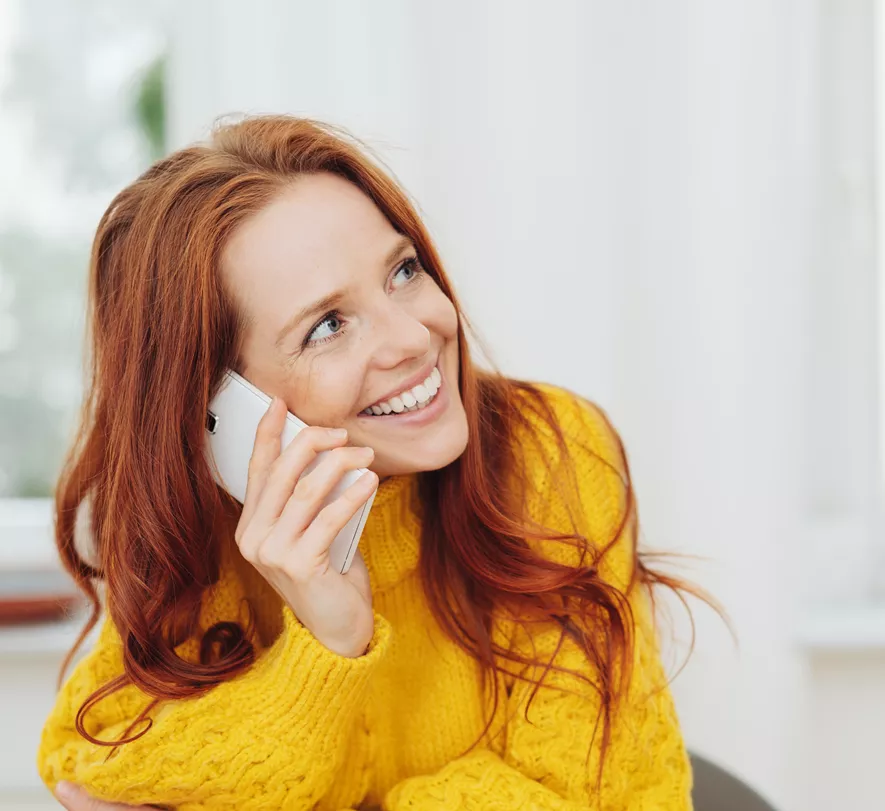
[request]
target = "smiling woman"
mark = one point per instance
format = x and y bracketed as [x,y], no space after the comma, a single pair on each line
[376,323]
[493,641]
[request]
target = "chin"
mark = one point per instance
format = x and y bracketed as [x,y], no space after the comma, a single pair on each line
[421,459]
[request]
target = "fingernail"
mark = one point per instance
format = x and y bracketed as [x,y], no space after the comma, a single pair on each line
[66,790]
[338,433]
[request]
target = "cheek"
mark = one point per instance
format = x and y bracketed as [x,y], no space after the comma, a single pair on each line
[323,393]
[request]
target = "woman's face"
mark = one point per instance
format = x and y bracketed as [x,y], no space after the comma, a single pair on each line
[340,317]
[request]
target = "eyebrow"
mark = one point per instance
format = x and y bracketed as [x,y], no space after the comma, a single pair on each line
[331,300]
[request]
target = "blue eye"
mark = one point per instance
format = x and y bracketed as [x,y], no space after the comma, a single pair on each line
[411,264]
[331,318]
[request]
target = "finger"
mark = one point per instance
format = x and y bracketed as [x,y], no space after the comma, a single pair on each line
[268,437]
[312,491]
[307,499]
[74,798]
[285,471]
[331,519]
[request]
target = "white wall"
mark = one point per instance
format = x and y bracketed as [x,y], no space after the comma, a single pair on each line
[638,201]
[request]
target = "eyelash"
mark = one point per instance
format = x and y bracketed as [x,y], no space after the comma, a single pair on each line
[412,262]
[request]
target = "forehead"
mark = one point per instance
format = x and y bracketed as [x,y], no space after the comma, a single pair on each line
[314,234]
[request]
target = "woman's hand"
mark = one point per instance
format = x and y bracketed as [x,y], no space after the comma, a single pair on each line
[75,798]
[285,532]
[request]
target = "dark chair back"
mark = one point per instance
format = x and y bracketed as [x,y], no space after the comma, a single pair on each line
[717,790]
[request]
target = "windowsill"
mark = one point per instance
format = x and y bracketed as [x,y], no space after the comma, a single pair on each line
[853,629]
[26,544]
[26,536]
[50,639]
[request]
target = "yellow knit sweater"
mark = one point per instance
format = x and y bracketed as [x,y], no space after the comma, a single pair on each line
[306,728]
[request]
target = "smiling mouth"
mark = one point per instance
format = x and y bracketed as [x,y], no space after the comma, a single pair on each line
[414,399]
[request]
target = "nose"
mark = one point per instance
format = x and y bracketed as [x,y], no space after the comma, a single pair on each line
[398,336]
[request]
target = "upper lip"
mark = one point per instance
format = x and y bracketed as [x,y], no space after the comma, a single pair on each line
[410,383]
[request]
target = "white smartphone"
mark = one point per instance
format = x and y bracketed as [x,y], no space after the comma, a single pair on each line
[230,432]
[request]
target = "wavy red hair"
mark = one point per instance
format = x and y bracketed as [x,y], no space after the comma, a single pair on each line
[162,332]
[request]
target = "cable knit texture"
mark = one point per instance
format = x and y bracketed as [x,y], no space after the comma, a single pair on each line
[305,728]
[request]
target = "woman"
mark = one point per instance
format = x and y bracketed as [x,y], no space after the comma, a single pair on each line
[493,644]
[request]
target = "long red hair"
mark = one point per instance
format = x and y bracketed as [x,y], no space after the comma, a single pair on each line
[162,332]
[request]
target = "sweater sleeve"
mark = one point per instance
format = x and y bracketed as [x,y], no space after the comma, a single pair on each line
[286,718]
[550,757]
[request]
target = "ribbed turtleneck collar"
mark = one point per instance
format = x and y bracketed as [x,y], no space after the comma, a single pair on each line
[390,542]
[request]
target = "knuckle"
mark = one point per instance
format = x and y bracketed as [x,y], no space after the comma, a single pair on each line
[249,553]
[258,460]
[265,558]
[266,431]
[314,435]
[350,499]
[334,458]
[250,556]
[345,458]
[324,522]
[353,496]
[306,492]
[254,465]
[335,515]
[241,533]
[294,571]
[275,466]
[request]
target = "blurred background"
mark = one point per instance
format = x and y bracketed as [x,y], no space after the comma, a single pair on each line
[674,209]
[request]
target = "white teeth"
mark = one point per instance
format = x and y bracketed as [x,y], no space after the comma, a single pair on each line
[415,398]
